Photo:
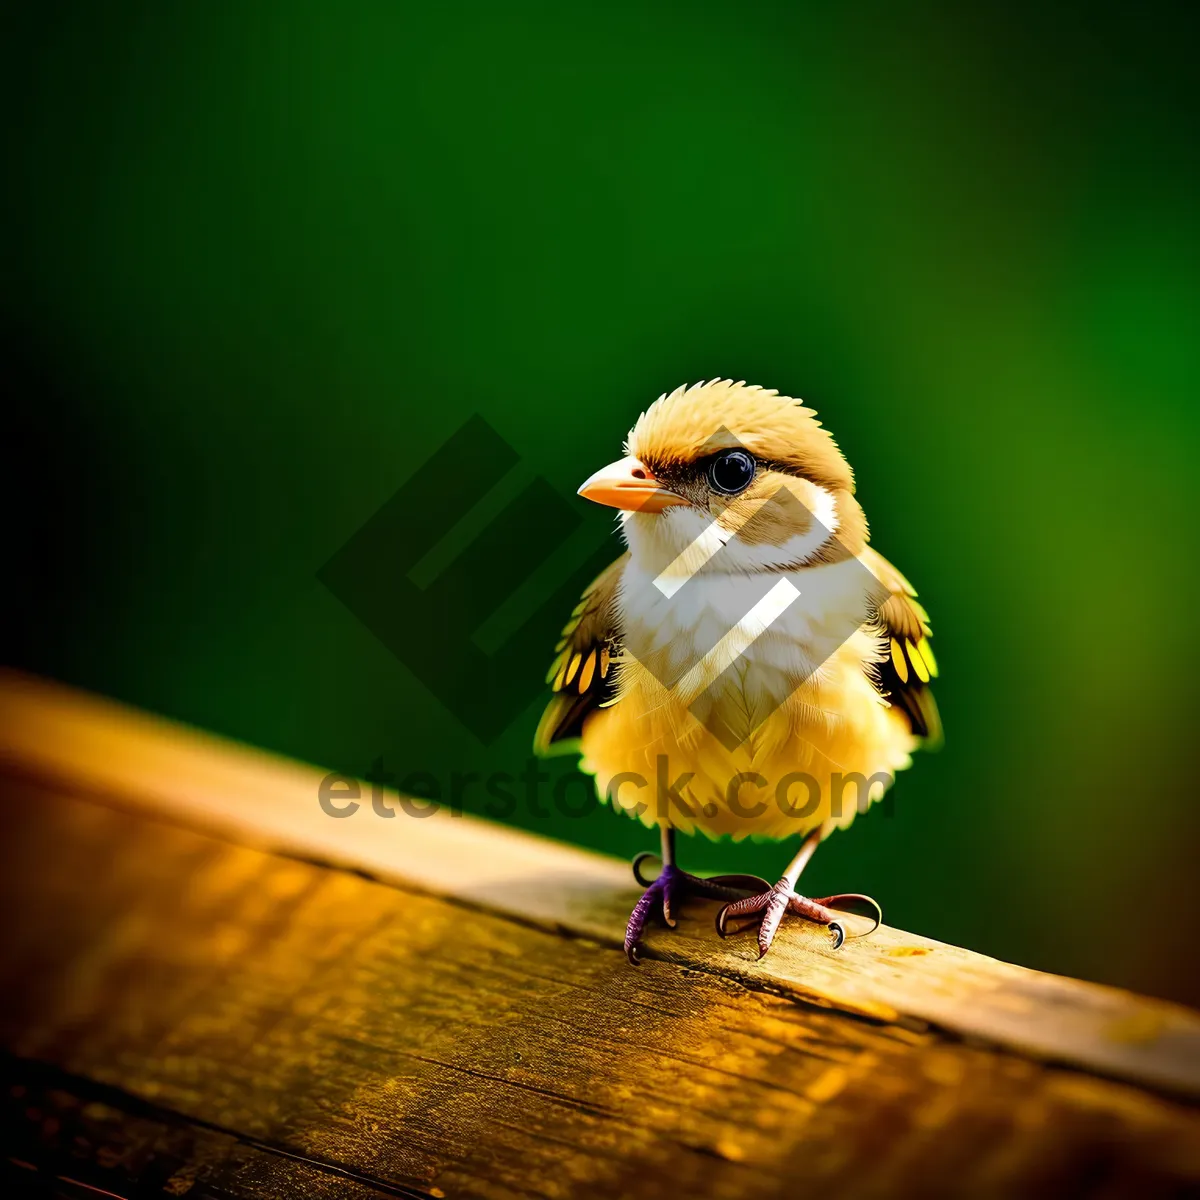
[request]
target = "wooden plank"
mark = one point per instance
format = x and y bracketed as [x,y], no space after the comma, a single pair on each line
[425,1048]
[150,765]
[65,1136]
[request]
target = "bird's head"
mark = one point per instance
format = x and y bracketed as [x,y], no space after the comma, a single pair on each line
[736,466]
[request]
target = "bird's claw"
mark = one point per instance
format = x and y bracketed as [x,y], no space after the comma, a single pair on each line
[857,906]
[774,902]
[668,888]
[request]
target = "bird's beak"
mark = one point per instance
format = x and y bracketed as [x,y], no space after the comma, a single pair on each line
[628,484]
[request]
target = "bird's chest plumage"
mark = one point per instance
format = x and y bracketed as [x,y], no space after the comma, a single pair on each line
[738,684]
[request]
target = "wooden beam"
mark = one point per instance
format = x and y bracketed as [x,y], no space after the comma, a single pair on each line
[451,1015]
[151,765]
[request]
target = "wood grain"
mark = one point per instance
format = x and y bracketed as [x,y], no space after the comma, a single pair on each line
[64,1135]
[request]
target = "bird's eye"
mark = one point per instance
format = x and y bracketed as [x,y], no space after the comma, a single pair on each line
[731,472]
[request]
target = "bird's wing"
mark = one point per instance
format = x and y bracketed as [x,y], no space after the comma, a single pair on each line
[905,673]
[581,674]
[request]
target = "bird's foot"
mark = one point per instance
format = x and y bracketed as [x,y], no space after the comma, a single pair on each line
[849,914]
[665,892]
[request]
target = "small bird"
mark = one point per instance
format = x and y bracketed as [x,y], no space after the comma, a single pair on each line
[749,666]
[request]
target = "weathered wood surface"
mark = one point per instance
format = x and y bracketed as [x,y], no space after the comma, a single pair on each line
[187,1010]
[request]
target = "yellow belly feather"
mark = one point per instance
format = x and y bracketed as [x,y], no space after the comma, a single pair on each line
[807,765]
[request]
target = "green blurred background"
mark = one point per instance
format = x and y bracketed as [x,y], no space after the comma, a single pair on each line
[261,260]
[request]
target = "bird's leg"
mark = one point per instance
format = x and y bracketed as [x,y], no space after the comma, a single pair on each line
[671,885]
[783,897]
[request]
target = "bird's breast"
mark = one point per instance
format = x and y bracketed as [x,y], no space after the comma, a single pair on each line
[791,620]
[767,674]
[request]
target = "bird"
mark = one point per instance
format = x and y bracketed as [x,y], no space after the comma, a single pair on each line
[749,666]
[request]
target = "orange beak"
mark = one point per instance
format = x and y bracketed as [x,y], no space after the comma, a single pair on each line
[628,484]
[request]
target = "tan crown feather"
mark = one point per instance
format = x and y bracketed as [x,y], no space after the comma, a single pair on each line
[775,428]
